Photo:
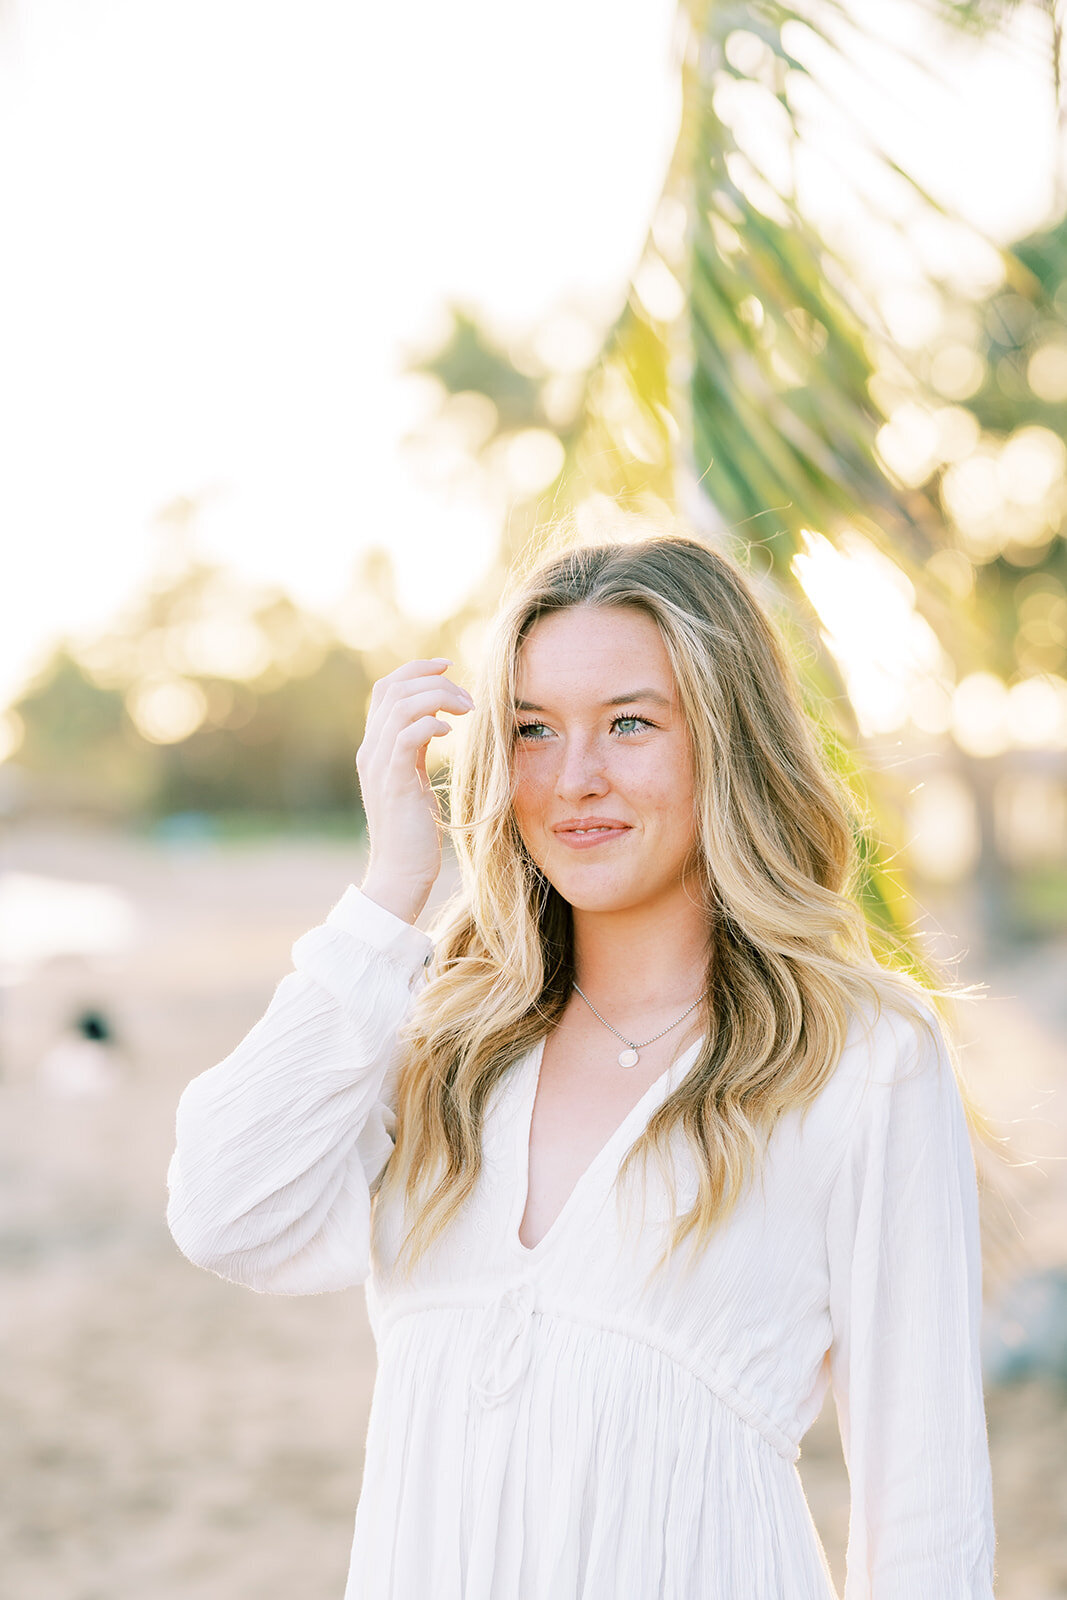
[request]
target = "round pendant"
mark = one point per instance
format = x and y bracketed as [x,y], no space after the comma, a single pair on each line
[628,1058]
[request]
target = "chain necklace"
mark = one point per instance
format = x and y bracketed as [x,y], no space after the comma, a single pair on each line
[631,1055]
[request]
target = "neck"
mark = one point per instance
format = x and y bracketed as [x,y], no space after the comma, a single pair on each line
[650,958]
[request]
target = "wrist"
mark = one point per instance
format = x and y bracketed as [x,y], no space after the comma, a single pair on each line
[404,900]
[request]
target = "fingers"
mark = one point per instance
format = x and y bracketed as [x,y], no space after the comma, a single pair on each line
[406,699]
[393,689]
[415,713]
[410,669]
[419,733]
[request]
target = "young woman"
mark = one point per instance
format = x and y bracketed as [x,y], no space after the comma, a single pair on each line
[596,1369]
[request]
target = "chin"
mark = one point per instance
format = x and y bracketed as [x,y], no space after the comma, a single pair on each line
[599,897]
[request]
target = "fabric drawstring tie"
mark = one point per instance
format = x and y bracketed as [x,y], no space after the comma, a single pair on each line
[503,1346]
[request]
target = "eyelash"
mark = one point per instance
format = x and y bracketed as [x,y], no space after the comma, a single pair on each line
[524,728]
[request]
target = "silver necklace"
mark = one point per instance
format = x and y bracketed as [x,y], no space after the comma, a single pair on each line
[631,1055]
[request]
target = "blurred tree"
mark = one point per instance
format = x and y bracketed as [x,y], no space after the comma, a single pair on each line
[75,752]
[1007,496]
[752,382]
[205,696]
[468,362]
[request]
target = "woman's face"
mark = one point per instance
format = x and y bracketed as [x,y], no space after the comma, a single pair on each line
[601,741]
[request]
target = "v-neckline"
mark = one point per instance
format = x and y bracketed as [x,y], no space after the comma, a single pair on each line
[524,1123]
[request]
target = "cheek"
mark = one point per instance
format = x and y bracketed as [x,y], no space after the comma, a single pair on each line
[654,783]
[669,800]
[530,788]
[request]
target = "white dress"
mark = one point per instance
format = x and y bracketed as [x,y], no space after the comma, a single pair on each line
[546,1427]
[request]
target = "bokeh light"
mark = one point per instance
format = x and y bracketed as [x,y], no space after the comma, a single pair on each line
[890,655]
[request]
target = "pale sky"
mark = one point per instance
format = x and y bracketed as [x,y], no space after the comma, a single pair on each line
[226,222]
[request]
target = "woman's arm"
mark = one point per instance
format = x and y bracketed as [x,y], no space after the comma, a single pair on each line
[905,1301]
[280,1144]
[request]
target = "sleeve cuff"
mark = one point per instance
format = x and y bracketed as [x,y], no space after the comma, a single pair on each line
[384,932]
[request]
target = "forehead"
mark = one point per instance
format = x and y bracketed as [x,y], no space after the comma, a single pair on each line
[593,650]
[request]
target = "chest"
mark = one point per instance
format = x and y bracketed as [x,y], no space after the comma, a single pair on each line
[583,1096]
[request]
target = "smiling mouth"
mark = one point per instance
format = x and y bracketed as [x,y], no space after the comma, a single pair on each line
[593,834]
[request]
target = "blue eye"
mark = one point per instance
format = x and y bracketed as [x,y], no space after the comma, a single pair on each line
[537,732]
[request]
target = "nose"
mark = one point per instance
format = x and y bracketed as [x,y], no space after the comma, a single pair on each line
[581,770]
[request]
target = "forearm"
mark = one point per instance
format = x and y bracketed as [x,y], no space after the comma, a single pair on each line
[278,1144]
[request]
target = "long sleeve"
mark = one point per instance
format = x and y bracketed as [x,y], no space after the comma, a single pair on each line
[905,1302]
[280,1144]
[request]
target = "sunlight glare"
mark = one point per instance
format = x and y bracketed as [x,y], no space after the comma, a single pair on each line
[866,605]
[1046,372]
[943,844]
[909,443]
[658,290]
[956,371]
[167,710]
[980,715]
[1037,712]
[1032,463]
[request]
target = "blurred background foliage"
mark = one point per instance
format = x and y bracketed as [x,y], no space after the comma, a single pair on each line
[864,401]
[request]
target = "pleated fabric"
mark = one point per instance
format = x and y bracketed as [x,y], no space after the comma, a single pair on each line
[554,1424]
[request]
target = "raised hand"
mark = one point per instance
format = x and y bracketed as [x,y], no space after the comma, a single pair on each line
[402,810]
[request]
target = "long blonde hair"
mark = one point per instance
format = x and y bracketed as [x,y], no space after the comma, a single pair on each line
[791,960]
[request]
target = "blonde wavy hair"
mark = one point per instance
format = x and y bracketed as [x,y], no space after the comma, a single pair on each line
[791,959]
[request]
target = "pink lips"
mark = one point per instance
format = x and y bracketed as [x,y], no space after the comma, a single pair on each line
[584,832]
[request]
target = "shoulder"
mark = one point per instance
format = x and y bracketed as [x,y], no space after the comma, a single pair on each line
[892,1039]
[887,1047]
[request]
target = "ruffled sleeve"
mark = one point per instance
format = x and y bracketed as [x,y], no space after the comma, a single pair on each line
[905,1302]
[280,1145]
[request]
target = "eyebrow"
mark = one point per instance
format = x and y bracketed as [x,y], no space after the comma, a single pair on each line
[652,695]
